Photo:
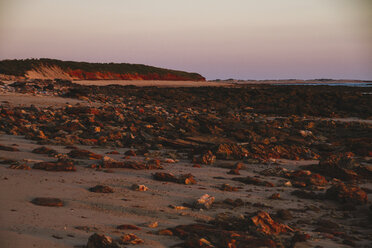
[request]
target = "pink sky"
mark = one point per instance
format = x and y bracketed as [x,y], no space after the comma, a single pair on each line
[243,39]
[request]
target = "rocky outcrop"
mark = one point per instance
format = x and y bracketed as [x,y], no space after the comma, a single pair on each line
[70,70]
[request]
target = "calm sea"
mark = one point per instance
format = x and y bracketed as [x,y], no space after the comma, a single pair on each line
[333,84]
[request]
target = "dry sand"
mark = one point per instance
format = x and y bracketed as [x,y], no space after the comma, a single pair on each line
[18,99]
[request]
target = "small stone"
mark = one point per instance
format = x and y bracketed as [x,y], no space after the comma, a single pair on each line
[204,202]
[169,161]
[275,196]
[165,232]
[84,154]
[288,184]
[267,225]
[154,224]
[19,167]
[113,152]
[101,241]
[130,153]
[234,172]
[139,187]
[347,194]
[8,148]
[108,159]
[178,207]
[47,202]
[55,166]
[101,189]
[130,239]
[45,150]
[227,187]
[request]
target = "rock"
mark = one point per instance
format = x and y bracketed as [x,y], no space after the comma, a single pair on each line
[238,166]
[48,202]
[234,172]
[19,167]
[347,194]
[186,179]
[139,187]
[198,243]
[101,189]
[101,241]
[178,207]
[8,161]
[231,231]
[275,196]
[84,154]
[112,152]
[341,166]
[169,161]
[275,172]
[107,159]
[304,178]
[154,224]
[316,180]
[218,237]
[264,223]
[287,184]
[8,148]
[204,202]
[130,239]
[227,187]
[128,227]
[130,153]
[254,181]
[165,232]
[45,150]
[207,158]
[230,151]
[55,166]
[153,164]
[132,165]
[168,177]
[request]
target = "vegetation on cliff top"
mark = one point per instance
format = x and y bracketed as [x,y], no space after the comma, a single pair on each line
[20,67]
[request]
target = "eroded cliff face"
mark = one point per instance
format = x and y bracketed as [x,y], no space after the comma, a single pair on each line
[84,75]
[52,69]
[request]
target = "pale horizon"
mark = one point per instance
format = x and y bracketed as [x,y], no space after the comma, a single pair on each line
[237,39]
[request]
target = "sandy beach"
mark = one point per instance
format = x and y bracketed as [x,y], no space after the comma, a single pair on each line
[84,211]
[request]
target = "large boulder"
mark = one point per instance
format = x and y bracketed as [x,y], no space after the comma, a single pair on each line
[341,166]
[347,194]
[101,241]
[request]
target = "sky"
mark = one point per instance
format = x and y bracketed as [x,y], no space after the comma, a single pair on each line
[220,39]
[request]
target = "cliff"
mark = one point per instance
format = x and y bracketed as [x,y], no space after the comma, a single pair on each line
[52,68]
